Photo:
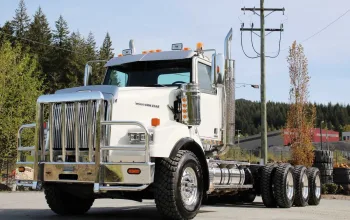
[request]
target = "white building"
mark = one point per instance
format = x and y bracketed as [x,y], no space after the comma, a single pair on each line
[346,136]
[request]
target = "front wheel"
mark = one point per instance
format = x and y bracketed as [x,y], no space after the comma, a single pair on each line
[178,186]
[63,203]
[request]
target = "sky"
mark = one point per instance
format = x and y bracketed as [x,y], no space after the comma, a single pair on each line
[156,24]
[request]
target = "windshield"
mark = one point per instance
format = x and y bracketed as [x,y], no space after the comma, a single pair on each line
[150,73]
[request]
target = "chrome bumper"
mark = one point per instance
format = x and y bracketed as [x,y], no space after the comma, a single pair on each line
[106,175]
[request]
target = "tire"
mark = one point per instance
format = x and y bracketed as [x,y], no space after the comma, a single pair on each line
[324,166]
[323,156]
[169,180]
[326,172]
[284,185]
[302,189]
[63,203]
[315,185]
[247,196]
[326,179]
[267,191]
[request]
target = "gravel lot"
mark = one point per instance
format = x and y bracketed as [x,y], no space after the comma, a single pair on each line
[32,205]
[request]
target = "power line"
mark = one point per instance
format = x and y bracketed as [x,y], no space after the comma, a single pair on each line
[315,34]
[36,42]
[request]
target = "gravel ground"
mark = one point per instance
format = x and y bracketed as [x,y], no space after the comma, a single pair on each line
[32,205]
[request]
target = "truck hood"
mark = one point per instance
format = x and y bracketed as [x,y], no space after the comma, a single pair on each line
[115,93]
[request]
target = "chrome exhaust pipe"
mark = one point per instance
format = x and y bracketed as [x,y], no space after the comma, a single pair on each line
[229,104]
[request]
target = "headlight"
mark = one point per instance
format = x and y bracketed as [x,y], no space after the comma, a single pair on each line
[139,137]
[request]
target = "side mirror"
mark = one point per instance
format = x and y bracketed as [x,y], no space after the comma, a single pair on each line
[87,73]
[220,68]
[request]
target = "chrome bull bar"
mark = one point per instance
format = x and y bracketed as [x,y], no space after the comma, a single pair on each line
[44,160]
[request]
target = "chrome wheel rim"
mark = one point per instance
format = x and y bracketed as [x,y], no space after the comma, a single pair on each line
[317,186]
[290,186]
[305,186]
[189,187]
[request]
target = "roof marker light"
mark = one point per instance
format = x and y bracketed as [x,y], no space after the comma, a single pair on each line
[120,55]
[144,52]
[151,51]
[199,46]
[158,50]
[187,48]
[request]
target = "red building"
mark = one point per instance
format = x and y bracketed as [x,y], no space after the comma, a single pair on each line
[327,136]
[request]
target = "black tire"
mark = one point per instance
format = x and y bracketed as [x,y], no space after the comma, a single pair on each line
[301,180]
[326,179]
[315,185]
[323,156]
[266,183]
[324,166]
[63,203]
[326,172]
[284,177]
[247,196]
[167,184]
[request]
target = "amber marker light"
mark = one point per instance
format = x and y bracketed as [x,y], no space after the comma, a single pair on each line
[134,171]
[199,46]
[155,122]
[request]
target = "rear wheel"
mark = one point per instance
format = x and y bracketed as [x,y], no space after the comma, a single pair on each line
[284,185]
[301,186]
[178,186]
[315,185]
[267,186]
[63,203]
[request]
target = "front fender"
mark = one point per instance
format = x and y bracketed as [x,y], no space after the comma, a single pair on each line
[167,136]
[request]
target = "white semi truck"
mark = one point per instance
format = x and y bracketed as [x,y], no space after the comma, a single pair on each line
[154,129]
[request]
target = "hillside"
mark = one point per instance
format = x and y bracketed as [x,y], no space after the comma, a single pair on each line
[248,116]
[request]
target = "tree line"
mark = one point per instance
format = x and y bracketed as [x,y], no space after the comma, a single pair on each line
[61,53]
[334,116]
[36,59]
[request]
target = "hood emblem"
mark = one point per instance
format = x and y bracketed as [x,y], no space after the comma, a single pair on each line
[147,105]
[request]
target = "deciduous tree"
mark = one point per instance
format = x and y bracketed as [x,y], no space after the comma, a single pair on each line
[301,115]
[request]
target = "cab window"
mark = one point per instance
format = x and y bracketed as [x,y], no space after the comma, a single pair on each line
[204,80]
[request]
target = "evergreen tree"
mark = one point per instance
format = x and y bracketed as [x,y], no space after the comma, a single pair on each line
[60,57]
[40,32]
[21,20]
[6,32]
[105,53]
[77,60]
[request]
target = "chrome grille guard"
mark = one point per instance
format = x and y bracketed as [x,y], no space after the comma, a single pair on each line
[96,135]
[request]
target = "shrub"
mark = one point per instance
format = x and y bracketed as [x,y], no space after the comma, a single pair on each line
[324,189]
[332,188]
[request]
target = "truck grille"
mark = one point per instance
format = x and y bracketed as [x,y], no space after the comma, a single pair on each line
[70,124]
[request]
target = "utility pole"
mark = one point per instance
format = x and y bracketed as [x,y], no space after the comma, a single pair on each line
[262,56]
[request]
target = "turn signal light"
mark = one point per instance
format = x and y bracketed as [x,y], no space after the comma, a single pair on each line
[21,169]
[134,171]
[155,122]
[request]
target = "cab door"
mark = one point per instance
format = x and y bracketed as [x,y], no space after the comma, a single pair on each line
[210,111]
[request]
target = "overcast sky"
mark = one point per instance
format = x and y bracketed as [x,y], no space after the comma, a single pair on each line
[156,24]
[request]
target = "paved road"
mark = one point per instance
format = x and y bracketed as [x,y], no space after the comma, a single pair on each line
[32,205]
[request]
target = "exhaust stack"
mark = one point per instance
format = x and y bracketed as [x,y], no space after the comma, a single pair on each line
[229,104]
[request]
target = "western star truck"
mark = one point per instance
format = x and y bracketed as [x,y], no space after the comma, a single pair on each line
[154,129]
